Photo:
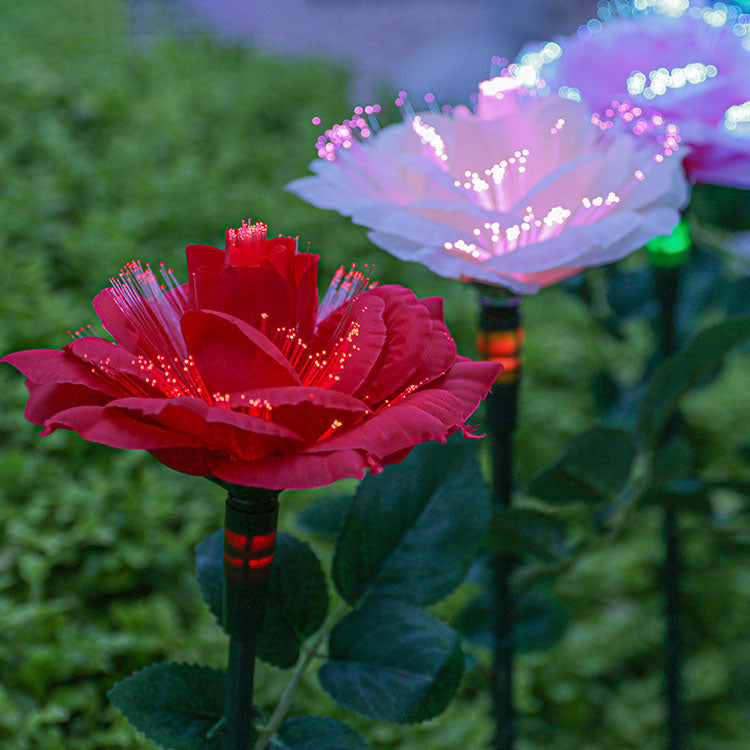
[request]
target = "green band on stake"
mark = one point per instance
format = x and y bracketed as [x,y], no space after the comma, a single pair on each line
[670,250]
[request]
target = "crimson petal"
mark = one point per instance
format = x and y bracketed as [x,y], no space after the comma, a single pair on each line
[309,411]
[300,471]
[116,429]
[247,293]
[231,355]
[243,435]
[306,281]
[431,413]
[54,366]
[409,331]
[48,399]
[115,321]
[352,361]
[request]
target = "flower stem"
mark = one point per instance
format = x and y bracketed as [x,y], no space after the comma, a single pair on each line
[666,290]
[500,337]
[309,652]
[249,539]
[674,640]
[238,708]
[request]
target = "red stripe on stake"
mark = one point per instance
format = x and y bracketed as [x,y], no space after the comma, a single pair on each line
[238,541]
[264,562]
[236,562]
[263,542]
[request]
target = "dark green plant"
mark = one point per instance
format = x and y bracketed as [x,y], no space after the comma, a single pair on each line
[405,540]
[110,152]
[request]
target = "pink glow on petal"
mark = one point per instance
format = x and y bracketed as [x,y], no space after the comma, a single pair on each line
[690,60]
[480,195]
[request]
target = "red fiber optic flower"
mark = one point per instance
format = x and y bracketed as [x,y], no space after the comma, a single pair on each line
[241,375]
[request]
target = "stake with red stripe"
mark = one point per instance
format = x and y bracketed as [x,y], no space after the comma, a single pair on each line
[249,542]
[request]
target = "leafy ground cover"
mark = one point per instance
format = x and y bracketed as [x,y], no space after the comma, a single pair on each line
[109,152]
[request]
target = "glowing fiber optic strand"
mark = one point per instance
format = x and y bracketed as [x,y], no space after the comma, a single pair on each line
[493,239]
[737,119]
[531,65]
[649,124]
[356,129]
[657,82]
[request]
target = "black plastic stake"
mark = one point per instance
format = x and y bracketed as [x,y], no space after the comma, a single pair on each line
[668,254]
[499,339]
[666,290]
[249,542]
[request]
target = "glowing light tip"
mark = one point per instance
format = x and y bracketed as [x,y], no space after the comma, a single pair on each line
[344,287]
[737,119]
[499,85]
[356,129]
[430,138]
[246,236]
[649,125]
[657,82]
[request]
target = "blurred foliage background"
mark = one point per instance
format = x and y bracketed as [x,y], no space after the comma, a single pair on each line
[109,152]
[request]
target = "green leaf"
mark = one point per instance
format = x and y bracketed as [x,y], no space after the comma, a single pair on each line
[209,570]
[317,733]
[523,532]
[175,705]
[671,461]
[594,468]
[539,621]
[325,517]
[393,662]
[296,604]
[673,482]
[700,361]
[412,531]
[684,494]
[297,597]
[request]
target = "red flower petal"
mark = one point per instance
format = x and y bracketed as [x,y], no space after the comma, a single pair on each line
[97,352]
[54,366]
[241,435]
[432,413]
[48,399]
[116,429]
[247,293]
[93,362]
[115,321]
[351,361]
[203,257]
[309,411]
[279,253]
[438,356]
[306,282]
[299,471]
[434,307]
[409,331]
[231,355]
[198,462]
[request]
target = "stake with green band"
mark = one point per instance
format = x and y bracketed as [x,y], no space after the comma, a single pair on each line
[668,255]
